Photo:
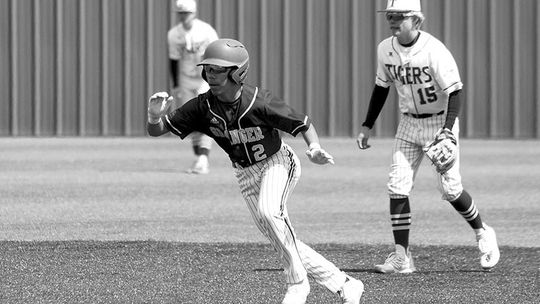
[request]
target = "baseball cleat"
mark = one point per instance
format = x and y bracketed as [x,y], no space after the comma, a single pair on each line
[200,166]
[489,250]
[297,293]
[352,291]
[397,263]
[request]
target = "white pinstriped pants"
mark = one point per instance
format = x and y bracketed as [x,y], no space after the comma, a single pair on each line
[266,187]
[411,136]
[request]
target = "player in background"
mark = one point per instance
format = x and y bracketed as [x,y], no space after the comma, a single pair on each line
[244,121]
[187,41]
[427,81]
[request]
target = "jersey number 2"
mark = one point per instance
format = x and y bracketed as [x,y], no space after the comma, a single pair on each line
[258,152]
[427,95]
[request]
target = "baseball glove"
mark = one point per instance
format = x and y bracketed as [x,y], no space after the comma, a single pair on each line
[442,151]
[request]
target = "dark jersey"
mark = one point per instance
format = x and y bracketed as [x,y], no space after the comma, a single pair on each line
[248,135]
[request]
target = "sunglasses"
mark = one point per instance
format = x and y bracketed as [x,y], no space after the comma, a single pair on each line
[215,69]
[396,16]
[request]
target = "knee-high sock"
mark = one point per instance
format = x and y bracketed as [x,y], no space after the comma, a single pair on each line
[465,205]
[400,215]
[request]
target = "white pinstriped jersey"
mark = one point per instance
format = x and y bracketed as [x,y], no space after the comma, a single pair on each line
[424,74]
[188,47]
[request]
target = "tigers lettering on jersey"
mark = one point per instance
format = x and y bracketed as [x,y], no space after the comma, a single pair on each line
[409,75]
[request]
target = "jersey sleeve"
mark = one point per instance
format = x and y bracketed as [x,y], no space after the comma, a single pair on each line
[172,43]
[280,115]
[445,70]
[183,120]
[383,78]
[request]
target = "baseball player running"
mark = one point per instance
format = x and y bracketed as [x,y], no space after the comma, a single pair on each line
[244,121]
[427,81]
[187,41]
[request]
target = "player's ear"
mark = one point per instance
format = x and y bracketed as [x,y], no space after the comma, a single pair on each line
[418,20]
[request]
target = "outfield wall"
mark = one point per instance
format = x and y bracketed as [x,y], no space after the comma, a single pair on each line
[86,67]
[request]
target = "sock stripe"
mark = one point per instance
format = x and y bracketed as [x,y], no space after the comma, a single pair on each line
[401,221]
[400,216]
[471,213]
[468,210]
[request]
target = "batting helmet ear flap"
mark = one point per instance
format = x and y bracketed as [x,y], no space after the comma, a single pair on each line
[203,74]
[240,73]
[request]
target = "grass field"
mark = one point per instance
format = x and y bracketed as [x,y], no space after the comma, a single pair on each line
[114,220]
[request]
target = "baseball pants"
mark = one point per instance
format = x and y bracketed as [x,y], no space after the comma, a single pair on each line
[407,154]
[266,186]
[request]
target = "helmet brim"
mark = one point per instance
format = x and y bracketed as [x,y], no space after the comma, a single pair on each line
[218,62]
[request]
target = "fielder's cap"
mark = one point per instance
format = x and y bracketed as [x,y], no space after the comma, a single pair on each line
[402,6]
[186,6]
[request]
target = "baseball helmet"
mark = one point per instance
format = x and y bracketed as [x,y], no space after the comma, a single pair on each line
[186,6]
[227,53]
[402,6]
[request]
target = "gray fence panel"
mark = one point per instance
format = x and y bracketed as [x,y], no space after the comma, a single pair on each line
[5,69]
[86,67]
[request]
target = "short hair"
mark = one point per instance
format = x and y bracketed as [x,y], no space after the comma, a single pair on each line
[419,17]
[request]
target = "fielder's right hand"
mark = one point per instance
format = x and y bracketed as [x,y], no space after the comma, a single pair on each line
[158,105]
[363,137]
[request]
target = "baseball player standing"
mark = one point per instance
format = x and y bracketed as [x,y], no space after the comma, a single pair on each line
[244,121]
[187,41]
[427,81]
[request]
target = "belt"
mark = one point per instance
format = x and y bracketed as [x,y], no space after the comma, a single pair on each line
[424,115]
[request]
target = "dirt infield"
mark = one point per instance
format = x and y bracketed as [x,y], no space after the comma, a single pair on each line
[190,273]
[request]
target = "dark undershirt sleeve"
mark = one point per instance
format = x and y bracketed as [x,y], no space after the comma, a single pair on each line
[454,105]
[173,70]
[376,103]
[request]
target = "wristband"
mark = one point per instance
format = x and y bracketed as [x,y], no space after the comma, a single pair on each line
[314,146]
[153,120]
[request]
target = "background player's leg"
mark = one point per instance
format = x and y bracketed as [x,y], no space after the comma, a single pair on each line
[200,142]
[465,205]
[201,148]
[451,188]
[406,159]
[453,191]
[400,215]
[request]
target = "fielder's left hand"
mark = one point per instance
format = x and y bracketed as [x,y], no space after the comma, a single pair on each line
[318,156]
